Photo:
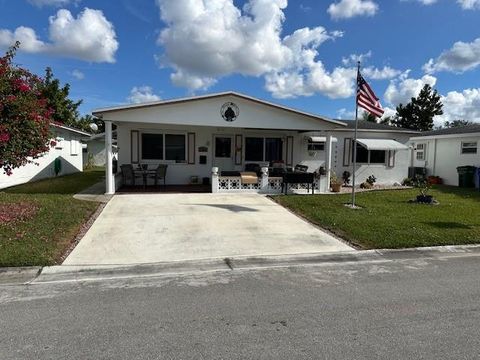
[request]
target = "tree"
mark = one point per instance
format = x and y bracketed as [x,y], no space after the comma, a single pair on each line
[418,114]
[24,115]
[366,116]
[65,110]
[457,123]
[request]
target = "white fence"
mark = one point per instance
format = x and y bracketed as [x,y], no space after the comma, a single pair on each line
[265,184]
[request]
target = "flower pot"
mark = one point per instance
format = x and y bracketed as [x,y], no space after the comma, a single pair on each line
[336,187]
[425,199]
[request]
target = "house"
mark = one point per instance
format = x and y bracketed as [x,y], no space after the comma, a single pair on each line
[94,149]
[440,152]
[215,136]
[64,158]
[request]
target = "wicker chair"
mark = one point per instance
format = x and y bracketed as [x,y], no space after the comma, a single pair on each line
[128,175]
[160,173]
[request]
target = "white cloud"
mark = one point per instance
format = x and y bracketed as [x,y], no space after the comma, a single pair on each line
[89,36]
[469,4]
[142,94]
[380,74]
[57,3]
[345,114]
[461,57]
[463,105]
[352,59]
[205,40]
[427,2]
[345,9]
[77,74]
[401,90]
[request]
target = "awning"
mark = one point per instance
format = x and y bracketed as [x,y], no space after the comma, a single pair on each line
[382,144]
[319,139]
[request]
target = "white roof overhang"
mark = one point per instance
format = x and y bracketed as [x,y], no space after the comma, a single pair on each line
[320,139]
[382,144]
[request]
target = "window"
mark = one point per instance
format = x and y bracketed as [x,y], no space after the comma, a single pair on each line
[152,146]
[223,147]
[377,157]
[273,149]
[164,147]
[315,146]
[469,147]
[263,149]
[253,149]
[365,156]
[420,152]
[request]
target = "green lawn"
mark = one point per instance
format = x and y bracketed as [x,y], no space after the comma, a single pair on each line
[43,236]
[387,220]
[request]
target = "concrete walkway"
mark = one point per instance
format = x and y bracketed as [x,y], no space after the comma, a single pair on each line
[95,192]
[147,228]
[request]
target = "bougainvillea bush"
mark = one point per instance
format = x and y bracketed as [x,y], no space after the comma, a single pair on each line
[24,116]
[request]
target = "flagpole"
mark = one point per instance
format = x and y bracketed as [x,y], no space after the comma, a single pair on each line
[355,139]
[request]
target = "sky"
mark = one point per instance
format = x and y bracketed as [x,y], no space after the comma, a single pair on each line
[298,53]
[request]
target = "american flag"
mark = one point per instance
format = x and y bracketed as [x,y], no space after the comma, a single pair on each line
[367,99]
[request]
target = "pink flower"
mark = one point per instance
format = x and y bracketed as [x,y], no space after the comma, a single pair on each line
[53,143]
[4,137]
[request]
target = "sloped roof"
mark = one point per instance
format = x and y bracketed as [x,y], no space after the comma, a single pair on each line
[468,129]
[69,128]
[99,112]
[368,125]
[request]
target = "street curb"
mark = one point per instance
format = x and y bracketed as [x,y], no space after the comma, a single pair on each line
[18,275]
[69,273]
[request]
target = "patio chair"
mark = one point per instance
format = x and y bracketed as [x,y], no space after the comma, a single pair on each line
[160,173]
[128,175]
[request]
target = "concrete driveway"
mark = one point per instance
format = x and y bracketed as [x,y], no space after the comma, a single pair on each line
[146,228]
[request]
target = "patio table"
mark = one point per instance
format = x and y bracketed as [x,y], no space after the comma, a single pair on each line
[144,174]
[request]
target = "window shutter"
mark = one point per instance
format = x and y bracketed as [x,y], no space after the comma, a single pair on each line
[74,147]
[347,149]
[391,158]
[238,149]
[191,148]
[134,146]
[289,151]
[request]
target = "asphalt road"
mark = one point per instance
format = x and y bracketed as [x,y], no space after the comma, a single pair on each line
[401,309]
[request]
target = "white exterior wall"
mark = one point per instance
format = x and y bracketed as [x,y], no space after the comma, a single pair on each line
[97,149]
[385,175]
[180,173]
[45,168]
[444,156]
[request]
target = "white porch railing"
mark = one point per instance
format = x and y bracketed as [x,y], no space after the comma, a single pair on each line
[264,185]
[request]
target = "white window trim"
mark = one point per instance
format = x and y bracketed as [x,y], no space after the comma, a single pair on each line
[313,143]
[421,151]
[163,133]
[462,147]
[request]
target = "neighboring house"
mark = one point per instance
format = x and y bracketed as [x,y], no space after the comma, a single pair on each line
[68,151]
[94,149]
[197,135]
[440,152]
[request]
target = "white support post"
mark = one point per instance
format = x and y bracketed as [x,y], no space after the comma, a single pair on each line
[264,180]
[215,179]
[109,177]
[328,164]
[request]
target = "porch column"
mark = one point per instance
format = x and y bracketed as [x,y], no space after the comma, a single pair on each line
[109,178]
[215,179]
[328,164]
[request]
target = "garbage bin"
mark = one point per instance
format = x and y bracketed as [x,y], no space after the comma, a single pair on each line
[466,176]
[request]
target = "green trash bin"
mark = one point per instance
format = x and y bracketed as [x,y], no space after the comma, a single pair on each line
[466,176]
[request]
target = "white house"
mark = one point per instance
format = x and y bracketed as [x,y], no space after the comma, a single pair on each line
[440,152]
[67,153]
[94,149]
[218,134]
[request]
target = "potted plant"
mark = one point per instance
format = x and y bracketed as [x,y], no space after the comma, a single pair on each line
[423,187]
[335,182]
[369,183]
[434,180]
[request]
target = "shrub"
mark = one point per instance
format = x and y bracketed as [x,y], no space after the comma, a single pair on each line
[371,180]
[346,177]
[24,116]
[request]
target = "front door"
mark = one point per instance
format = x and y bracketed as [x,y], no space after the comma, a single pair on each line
[223,152]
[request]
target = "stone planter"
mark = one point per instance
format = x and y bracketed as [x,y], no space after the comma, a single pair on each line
[336,187]
[425,199]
